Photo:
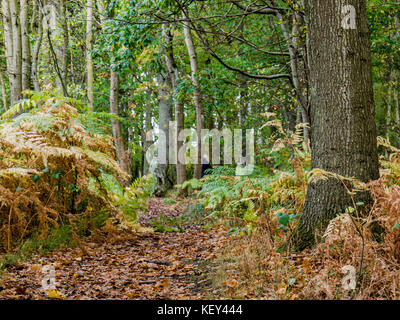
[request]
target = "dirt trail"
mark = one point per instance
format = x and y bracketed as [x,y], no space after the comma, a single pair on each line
[144,266]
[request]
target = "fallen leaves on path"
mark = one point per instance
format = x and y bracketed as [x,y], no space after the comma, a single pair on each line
[140,266]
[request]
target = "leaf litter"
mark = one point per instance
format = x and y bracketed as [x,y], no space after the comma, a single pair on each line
[148,265]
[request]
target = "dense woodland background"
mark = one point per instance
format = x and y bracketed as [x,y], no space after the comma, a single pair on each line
[82,82]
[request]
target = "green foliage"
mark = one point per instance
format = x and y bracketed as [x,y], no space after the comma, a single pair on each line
[52,169]
[241,202]
[166,224]
[133,199]
[191,185]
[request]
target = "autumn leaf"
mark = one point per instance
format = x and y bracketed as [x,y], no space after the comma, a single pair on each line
[54,294]
[232,283]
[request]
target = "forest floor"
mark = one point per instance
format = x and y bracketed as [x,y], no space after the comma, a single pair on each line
[149,265]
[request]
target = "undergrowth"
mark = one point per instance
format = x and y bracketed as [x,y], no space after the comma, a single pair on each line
[58,171]
[261,211]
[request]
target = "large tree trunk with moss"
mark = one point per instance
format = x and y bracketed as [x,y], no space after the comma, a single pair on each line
[343,138]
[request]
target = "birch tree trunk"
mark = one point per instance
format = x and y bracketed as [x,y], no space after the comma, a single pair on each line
[8,42]
[89,47]
[197,93]
[26,47]
[343,136]
[16,72]
[36,51]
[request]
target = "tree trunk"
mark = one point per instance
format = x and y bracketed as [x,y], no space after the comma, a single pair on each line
[343,137]
[8,42]
[396,91]
[164,116]
[298,75]
[16,73]
[116,124]
[3,92]
[64,47]
[122,155]
[179,108]
[396,105]
[197,93]
[89,46]
[36,50]
[26,47]
[146,143]
[389,107]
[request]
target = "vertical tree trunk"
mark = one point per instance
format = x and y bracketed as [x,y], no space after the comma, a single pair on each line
[116,124]
[3,91]
[122,155]
[396,105]
[89,47]
[26,47]
[197,93]
[298,75]
[65,41]
[397,77]
[389,107]
[164,116]
[343,137]
[36,51]
[16,73]
[179,108]
[8,42]
[146,143]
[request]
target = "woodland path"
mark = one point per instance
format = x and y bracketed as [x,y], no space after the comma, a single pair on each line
[159,265]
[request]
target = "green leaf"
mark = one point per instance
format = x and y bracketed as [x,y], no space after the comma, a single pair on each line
[284,219]
[396,226]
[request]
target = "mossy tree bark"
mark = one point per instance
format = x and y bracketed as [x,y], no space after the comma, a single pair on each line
[343,137]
